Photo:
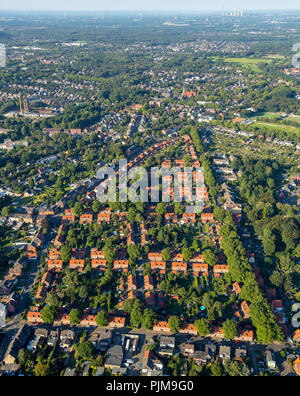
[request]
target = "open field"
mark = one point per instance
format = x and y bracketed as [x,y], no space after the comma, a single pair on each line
[249,63]
[277,127]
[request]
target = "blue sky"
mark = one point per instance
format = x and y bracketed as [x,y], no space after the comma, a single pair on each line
[172,5]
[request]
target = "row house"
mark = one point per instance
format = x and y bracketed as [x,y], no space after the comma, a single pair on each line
[99,264]
[41,294]
[179,267]
[132,283]
[148,282]
[155,257]
[217,332]
[207,217]
[197,258]
[62,319]
[97,254]
[88,320]
[54,254]
[55,264]
[162,327]
[121,265]
[104,216]
[189,218]
[68,218]
[86,219]
[171,218]
[150,299]
[32,252]
[116,322]
[188,328]
[236,288]
[77,264]
[34,315]
[200,269]
[245,335]
[160,266]
[60,237]
[245,309]
[166,164]
[178,257]
[220,270]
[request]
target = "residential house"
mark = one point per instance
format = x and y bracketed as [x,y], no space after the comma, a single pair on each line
[225,352]
[187,350]
[116,322]
[241,354]
[86,219]
[296,366]
[220,270]
[99,264]
[18,342]
[200,269]
[148,283]
[67,337]
[77,264]
[245,309]
[101,339]
[121,265]
[159,266]
[271,362]
[179,267]
[132,285]
[55,264]
[162,327]
[188,328]
[115,356]
[166,346]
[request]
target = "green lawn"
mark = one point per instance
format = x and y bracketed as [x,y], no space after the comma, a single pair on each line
[249,63]
[277,127]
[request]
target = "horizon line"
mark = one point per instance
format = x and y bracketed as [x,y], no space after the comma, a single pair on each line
[147,10]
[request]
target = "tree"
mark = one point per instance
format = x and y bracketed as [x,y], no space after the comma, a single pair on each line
[210,257]
[52,300]
[268,241]
[178,208]
[187,254]
[83,292]
[203,327]
[96,206]
[66,252]
[166,254]
[6,211]
[161,208]
[85,350]
[216,369]
[174,324]
[78,209]
[75,317]
[102,319]
[41,369]
[277,279]
[230,329]
[23,357]
[149,319]
[136,315]
[133,252]
[219,214]
[48,314]
[131,215]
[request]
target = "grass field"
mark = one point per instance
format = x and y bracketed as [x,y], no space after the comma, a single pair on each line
[248,63]
[277,127]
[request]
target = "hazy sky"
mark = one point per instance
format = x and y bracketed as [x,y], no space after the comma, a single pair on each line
[183,5]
